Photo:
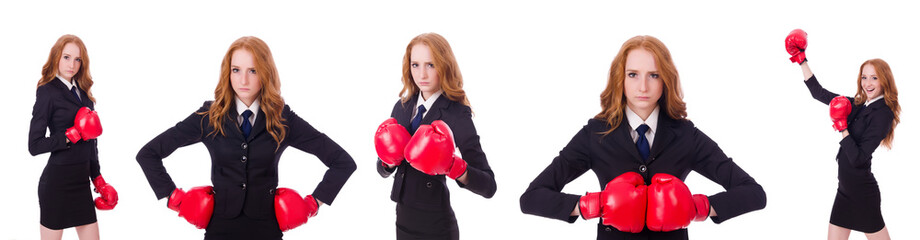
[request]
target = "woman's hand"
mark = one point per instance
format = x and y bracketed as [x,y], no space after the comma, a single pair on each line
[845,133]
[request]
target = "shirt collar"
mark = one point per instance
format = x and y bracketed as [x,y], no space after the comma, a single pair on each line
[635,121]
[66,82]
[874,99]
[241,107]
[429,101]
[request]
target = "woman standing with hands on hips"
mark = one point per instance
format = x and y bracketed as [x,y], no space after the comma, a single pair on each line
[864,122]
[64,104]
[434,109]
[246,129]
[642,136]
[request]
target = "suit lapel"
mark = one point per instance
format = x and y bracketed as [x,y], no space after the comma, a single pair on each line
[232,126]
[663,136]
[622,138]
[258,126]
[435,112]
[69,96]
[405,119]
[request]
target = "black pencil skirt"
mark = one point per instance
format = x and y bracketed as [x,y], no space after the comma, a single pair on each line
[65,197]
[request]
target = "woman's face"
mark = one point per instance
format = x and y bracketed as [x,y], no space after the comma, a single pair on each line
[870,83]
[423,70]
[643,82]
[243,76]
[70,61]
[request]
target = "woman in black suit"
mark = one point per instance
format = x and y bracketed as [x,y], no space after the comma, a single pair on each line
[643,94]
[870,123]
[246,129]
[432,90]
[64,104]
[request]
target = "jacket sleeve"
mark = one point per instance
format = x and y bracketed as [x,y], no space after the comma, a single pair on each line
[38,127]
[544,196]
[480,178]
[742,194]
[306,138]
[818,92]
[150,157]
[94,162]
[859,151]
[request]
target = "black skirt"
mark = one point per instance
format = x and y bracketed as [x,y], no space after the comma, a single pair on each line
[242,227]
[413,223]
[857,205]
[65,197]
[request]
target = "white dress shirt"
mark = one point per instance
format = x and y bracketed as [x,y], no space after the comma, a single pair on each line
[427,102]
[635,121]
[241,107]
[69,85]
[873,100]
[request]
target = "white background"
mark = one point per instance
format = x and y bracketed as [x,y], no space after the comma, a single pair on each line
[533,72]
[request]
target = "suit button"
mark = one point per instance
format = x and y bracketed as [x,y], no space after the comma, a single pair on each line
[271,192]
[243,159]
[428,184]
[652,159]
[643,168]
[244,146]
[243,186]
[607,229]
[402,175]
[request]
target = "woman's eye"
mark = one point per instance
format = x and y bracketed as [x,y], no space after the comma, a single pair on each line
[631,75]
[874,78]
[235,70]
[430,65]
[654,75]
[79,60]
[253,71]
[66,57]
[414,65]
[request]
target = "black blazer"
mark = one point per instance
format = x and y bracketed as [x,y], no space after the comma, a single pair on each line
[679,147]
[245,171]
[416,189]
[867,126]
[54,109]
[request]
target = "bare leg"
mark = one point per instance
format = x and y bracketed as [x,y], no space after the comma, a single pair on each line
[88,231]
[880,235]
[50,234]
[835,232]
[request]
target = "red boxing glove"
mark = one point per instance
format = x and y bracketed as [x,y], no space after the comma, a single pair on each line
[196,206]
[390,141]
[86,126]
[796,42]
[108,196]
[431,150]
[621,204]
[840,110]
[670,205]
[291,210]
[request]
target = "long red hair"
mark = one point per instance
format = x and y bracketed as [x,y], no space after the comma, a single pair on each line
[50,70]
[889,91]
[450,80]
[270,101]
[613,98]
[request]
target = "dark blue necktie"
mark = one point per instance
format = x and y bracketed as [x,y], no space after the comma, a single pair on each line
[418,118]
[74,91]
[247,126]
[642,142]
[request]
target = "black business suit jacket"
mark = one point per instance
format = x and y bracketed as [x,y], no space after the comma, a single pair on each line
[418,190]
[244,171]
[867,126]
[679,147]
[54,110]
